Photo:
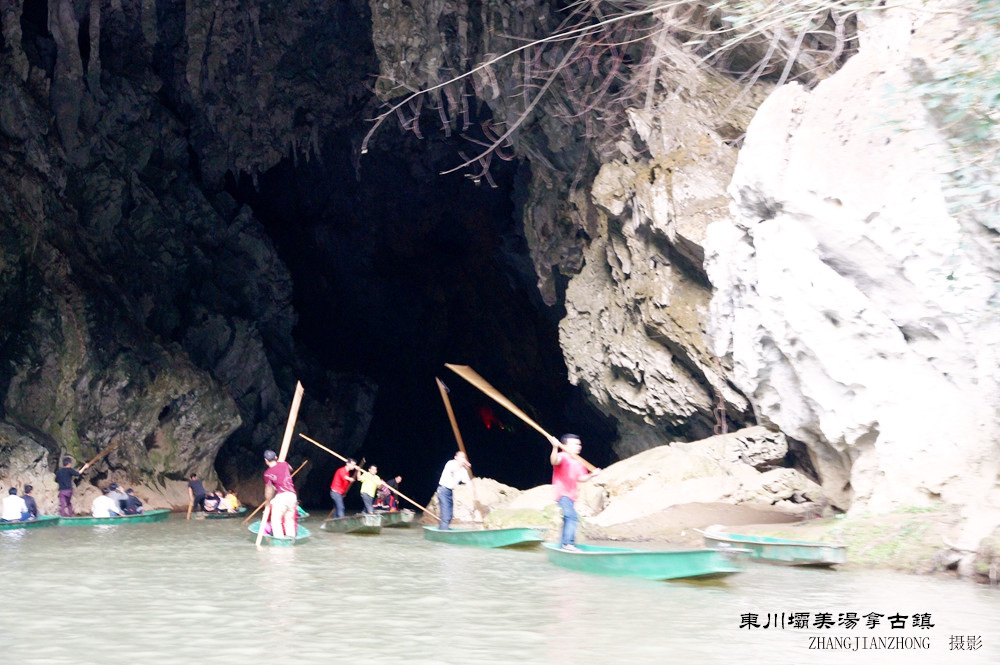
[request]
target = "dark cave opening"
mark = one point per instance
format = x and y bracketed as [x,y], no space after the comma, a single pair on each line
[398,270]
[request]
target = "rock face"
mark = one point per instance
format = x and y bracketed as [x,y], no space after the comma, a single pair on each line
[139,302]
[860,314]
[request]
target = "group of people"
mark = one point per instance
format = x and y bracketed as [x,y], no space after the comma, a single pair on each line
[114,501]
[211,502]
[18,508]
[568,471]
[376,494]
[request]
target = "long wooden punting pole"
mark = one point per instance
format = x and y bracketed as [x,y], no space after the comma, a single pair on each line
[472,377]
[285,442]
[392,489]
[104,451]
[257,509]
[461,445]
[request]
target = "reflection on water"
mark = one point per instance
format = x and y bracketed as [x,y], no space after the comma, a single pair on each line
[199,592]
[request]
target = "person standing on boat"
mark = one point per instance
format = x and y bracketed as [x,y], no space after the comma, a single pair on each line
[341,482]
[369,486]
[29,501]
[568,471]
[64,478]
[455,473]
[279,490]
[14,508]
[196,493]
[104,505]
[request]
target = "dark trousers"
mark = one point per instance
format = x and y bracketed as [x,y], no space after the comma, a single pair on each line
[446,502]
[368,501]
[338,503]
[66,503]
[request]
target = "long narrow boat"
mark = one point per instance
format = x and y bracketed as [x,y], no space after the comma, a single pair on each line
[362,523]
[648,564]
[225,515]
[779,550]
[157,515]
[37,523]
[301,535]
[511,537]
[398,519]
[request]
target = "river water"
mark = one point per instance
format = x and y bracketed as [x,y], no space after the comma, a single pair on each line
[198,591]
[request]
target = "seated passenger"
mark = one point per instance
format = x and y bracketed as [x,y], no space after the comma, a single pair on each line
[29,501]
[211,503]
[232,502]
[133,506]
[104,506]
[14,508]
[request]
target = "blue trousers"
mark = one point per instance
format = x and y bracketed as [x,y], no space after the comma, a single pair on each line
[447,504]
[570,521]
[338,503]
[369,503]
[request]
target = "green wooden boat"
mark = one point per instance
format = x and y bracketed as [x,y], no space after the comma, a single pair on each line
[301,535]
[362,523]
[398,519]
[648,564]
[224,515]
[779,550]
[157,515]
[511,537]
[37,523]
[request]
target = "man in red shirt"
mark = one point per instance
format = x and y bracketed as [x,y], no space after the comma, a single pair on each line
[568,471]
[280,491]
[342,480]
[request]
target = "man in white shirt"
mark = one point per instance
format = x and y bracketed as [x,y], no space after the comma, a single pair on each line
[14,507]
[456,472]
[104,506]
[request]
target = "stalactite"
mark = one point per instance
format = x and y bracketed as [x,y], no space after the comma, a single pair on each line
[66,93]
[94,64]
[11,17]
[148,19]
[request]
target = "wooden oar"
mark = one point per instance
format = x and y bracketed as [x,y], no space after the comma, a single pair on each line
[472,377]
[285,442]
[480,508]
[392,489]
[257,509]
[190,506]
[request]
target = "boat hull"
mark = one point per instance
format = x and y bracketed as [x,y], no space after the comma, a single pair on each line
[780,551]
[225,515]
[400,519]
[512,537]
[363,524]
[648,564]
[157,515]
[37,523]
[301,535]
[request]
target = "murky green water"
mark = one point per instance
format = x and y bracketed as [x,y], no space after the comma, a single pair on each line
[199,592]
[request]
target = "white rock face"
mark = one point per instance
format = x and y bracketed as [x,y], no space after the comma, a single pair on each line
[860,316]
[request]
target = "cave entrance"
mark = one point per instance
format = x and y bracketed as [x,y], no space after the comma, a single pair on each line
[398,270]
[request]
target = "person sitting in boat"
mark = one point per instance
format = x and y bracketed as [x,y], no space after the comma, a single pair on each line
[369,486]
[386,498]
[231,502]
[133,506]
[211,502]
[105,506]
[118,496]
[29,501]
[14,508]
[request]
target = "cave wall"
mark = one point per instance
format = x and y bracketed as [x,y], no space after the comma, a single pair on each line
[141,303]
[831,292]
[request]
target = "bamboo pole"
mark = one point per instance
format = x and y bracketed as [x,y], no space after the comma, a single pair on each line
[293,414]
[472,377]
[392,489]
